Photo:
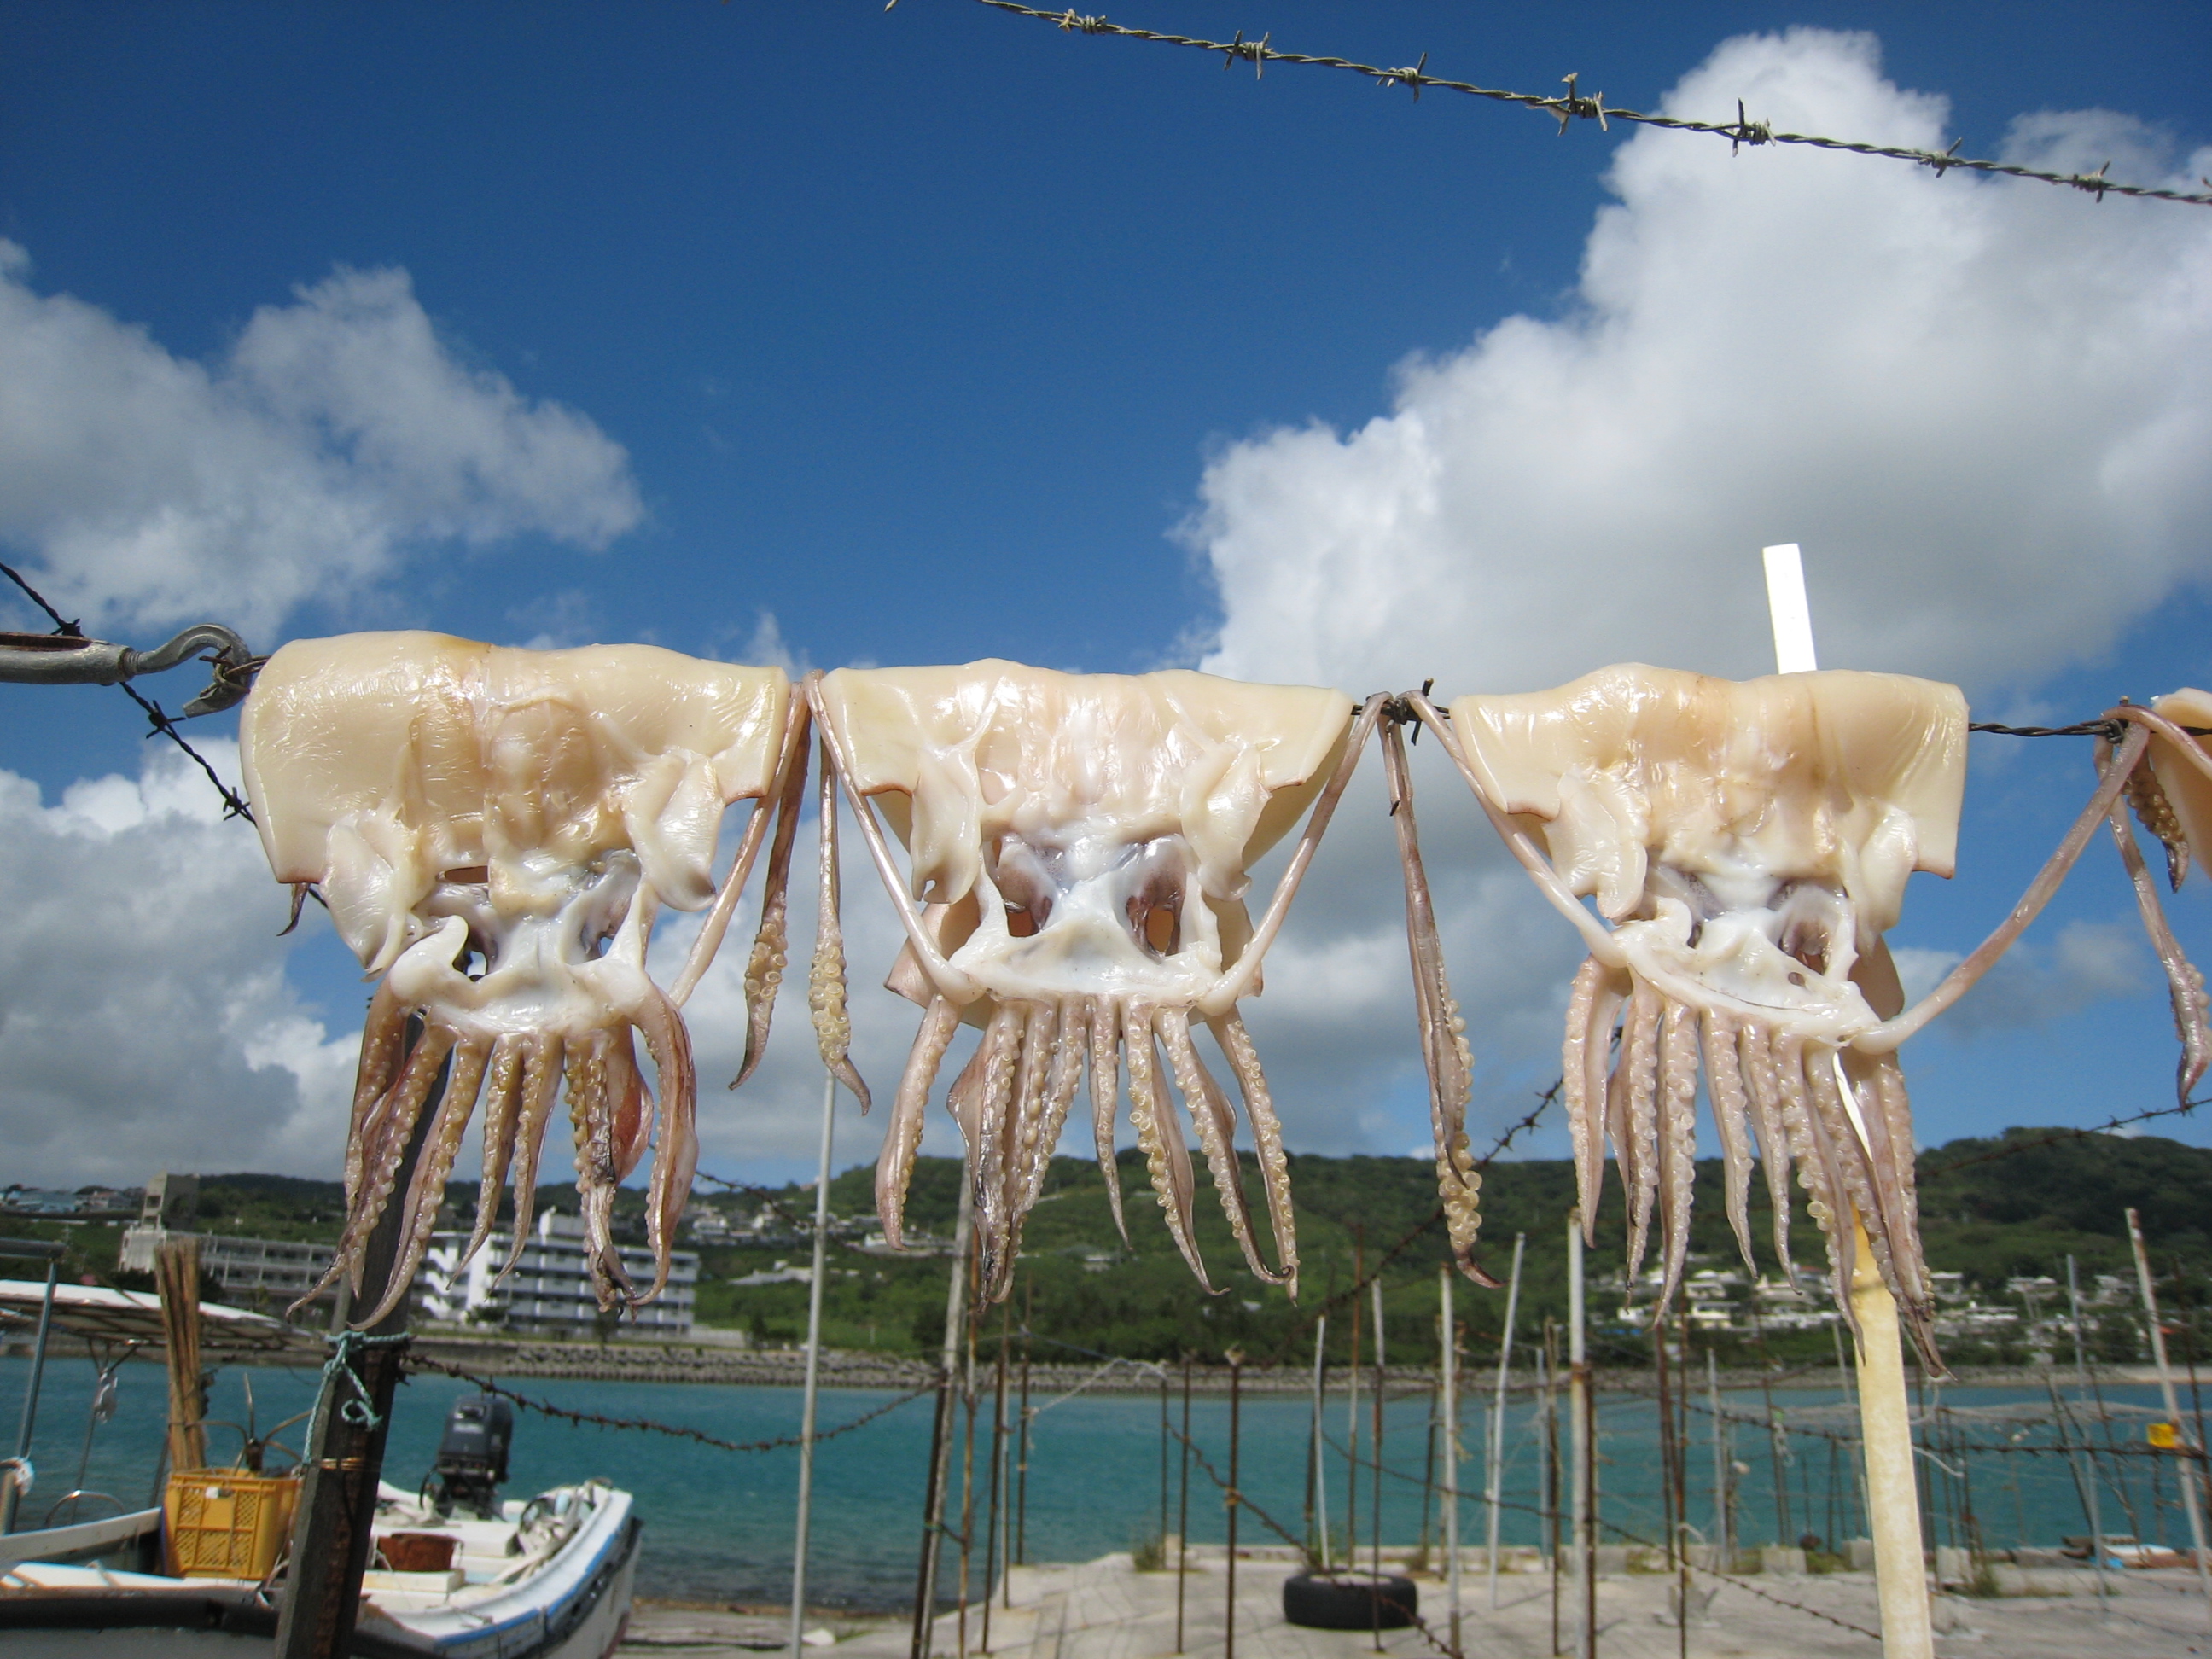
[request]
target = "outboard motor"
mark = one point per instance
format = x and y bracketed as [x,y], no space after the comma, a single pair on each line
[471,1463]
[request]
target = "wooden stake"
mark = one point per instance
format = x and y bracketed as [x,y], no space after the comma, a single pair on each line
[1183,1508]
[1885,1421]
[1233,1498]
[2188,1470]
[345,1457]
[1449,1367]
[1493,1485]
[811,1393]
[1581,1422]
[940,1442]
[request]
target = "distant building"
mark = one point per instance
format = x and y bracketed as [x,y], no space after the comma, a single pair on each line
[171,1200]
[253,1272]
[549,1292]
[86,1203]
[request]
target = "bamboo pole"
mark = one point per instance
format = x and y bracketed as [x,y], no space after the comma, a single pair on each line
[1579,1426]
[1493,1484]
[1448,1364]
[1885,1421]
[2188,1470]
[1317,1501]
[811,1393]
[940,1444]
[2088,1480]
[1374,1509]
[1183,1508]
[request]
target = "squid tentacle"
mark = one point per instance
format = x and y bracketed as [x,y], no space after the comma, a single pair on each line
[1636,1128]
[1731,1116]
[1585,1133]
[1762,1085]
[1071,1038]
[825,986]
[771,949]
[2184,985]
[541,1066]
[632,1106]
[502,1105]
[383,1050]
[593,1121]
[903,1136]
[988,1154]
[1816,1168]
[1443,1033]
[426,1189]
[1267,1138]
[664,1031]
[390,1127]
[1212,1117]
[1105,1086]
[1677,1160]
[1166,1159]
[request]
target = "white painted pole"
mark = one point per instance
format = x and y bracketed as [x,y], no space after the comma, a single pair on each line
[1451,1453]
[2088,1479]
[1724,1532]
[1884,1412]
[1320,1444]
[2189,1469]
[1493,1485]
[1578,1408]
[813,1368]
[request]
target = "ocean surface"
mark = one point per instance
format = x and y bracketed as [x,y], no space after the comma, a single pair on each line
[719,1524]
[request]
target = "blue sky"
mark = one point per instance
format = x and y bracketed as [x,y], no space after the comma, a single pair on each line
[923,336]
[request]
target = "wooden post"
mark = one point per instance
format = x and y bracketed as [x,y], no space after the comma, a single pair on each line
[345,1457]
[1581,1420]
[1317,1498]
[1022,1445]
[1884,1418]
[810,1393]
[177,1278]
[1449,1365]
[2188,1469]
[1493,1485]
[1234,1498]
[1375,1510]
[1182,1507]
[940,1443]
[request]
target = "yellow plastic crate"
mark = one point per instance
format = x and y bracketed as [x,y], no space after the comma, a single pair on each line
[226,1523]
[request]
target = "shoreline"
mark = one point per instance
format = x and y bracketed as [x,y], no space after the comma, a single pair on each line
[729,1365]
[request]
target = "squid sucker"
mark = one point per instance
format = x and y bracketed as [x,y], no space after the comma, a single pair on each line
[494,831]
[1077,850]
[1748,844]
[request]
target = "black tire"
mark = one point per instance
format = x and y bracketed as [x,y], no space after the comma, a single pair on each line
[1350,1602]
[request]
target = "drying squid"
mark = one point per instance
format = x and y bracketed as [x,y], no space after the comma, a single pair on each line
[1079,849]
[494,831]
[1748,844]
[2170,791]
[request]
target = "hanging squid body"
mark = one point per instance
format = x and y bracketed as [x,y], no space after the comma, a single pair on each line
[494,831]
[1078,849]
[1749,844]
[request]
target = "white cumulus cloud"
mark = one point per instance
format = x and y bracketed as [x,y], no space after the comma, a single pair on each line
[146,1021]
[335,436]
[1983,406]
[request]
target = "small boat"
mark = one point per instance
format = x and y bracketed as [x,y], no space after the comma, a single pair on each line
[454,1570]
[548,1578]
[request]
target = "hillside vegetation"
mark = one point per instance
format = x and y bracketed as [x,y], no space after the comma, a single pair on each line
[1991,1209]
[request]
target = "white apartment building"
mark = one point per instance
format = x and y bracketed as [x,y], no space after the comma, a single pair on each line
[253,1272]
[549,1292]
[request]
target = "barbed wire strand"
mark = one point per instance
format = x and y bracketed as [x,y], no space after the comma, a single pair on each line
[1571,105]
[234,806]
[646,1425]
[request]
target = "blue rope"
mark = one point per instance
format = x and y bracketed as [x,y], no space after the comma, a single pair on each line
[357,1411]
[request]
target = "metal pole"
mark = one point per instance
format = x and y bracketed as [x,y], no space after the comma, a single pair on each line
[2191,1454]
[1374,1509]
[1494,1484]
[1233,1498]
[813,1367]
[1182,1507]
[940,1445]
[1450,1366]
[1579,1426]
[52,1252]
[1319,1506]
[1723,1536]
[2088,1482]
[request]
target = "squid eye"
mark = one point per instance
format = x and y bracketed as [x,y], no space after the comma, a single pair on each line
[1020,922]
[1158,926]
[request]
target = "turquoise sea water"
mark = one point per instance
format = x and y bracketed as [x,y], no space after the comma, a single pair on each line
[719,1524]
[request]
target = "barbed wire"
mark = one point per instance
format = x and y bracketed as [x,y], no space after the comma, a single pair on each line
[1571,105]
[2059,1137]
[646,1425]
[69,628]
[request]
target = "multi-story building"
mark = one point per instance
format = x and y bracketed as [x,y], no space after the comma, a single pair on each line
[254,1273]
[549,1292]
